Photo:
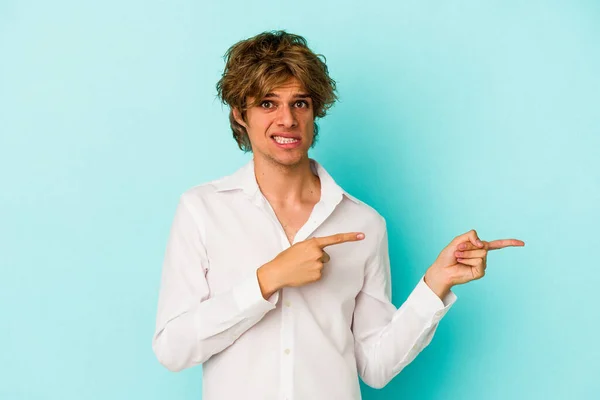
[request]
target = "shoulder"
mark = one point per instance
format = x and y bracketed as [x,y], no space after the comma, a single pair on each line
[365,211]
[200,191]
[200,195]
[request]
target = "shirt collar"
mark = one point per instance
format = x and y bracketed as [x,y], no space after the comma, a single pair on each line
[245,180]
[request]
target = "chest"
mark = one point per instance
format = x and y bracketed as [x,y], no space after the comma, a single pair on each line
[292,220]
[243,238]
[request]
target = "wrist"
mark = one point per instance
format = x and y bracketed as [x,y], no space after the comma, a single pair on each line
[267,281]
[437,285]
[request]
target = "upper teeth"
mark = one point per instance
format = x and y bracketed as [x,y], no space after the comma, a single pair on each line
[283,140]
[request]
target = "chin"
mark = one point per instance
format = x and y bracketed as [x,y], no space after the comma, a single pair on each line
[290,159]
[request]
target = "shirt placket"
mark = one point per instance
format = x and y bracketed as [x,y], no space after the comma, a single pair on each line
[286,341]
[288,351]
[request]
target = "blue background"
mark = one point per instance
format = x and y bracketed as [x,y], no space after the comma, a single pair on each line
[454,115]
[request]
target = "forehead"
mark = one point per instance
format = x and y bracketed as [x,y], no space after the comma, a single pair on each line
[291,86]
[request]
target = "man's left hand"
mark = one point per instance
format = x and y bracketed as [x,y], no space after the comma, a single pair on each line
[462,261]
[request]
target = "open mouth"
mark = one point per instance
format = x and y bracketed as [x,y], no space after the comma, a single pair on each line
[284,140]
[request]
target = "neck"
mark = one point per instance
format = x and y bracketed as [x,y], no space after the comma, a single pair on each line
[287,184]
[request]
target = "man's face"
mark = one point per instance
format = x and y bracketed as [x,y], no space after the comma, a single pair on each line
[280,127]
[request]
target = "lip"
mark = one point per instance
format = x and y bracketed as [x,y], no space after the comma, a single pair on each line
[287,145]
[286,135]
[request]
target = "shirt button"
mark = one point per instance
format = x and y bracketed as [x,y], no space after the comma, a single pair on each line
[287,303]
[438,314]
[287,351]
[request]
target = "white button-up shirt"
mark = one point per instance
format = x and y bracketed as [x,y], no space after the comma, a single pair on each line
[303,343]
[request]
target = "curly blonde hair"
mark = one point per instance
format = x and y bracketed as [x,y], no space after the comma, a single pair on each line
[255,66]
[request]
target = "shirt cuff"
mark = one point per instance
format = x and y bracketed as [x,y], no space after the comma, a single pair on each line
[249,298]
[427,304]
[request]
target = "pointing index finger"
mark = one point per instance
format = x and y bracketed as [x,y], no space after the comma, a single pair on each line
[339,238]
[502,243]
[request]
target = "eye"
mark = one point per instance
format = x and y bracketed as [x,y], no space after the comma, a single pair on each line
[302,104]
[266,104]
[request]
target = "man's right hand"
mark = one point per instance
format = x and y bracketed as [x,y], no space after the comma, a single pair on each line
[300,264]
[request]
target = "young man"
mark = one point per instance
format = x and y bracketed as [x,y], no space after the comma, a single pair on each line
[276,279]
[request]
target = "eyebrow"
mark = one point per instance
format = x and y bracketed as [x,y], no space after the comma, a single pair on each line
[296,96]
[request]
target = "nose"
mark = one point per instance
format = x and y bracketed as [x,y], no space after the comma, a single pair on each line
[286,117]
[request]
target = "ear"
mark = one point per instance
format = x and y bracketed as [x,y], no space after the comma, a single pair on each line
[238,117]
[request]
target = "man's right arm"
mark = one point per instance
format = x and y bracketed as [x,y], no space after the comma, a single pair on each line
[192,325]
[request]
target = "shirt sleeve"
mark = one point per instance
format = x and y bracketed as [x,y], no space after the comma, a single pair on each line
[191,324]
[387,339]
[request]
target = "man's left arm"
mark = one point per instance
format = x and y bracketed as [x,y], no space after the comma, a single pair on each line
[387,339]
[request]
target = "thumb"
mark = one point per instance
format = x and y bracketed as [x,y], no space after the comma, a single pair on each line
[470,236]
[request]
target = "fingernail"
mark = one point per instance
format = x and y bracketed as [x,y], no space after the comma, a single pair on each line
[462,246]
[479,243]
[360,236]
